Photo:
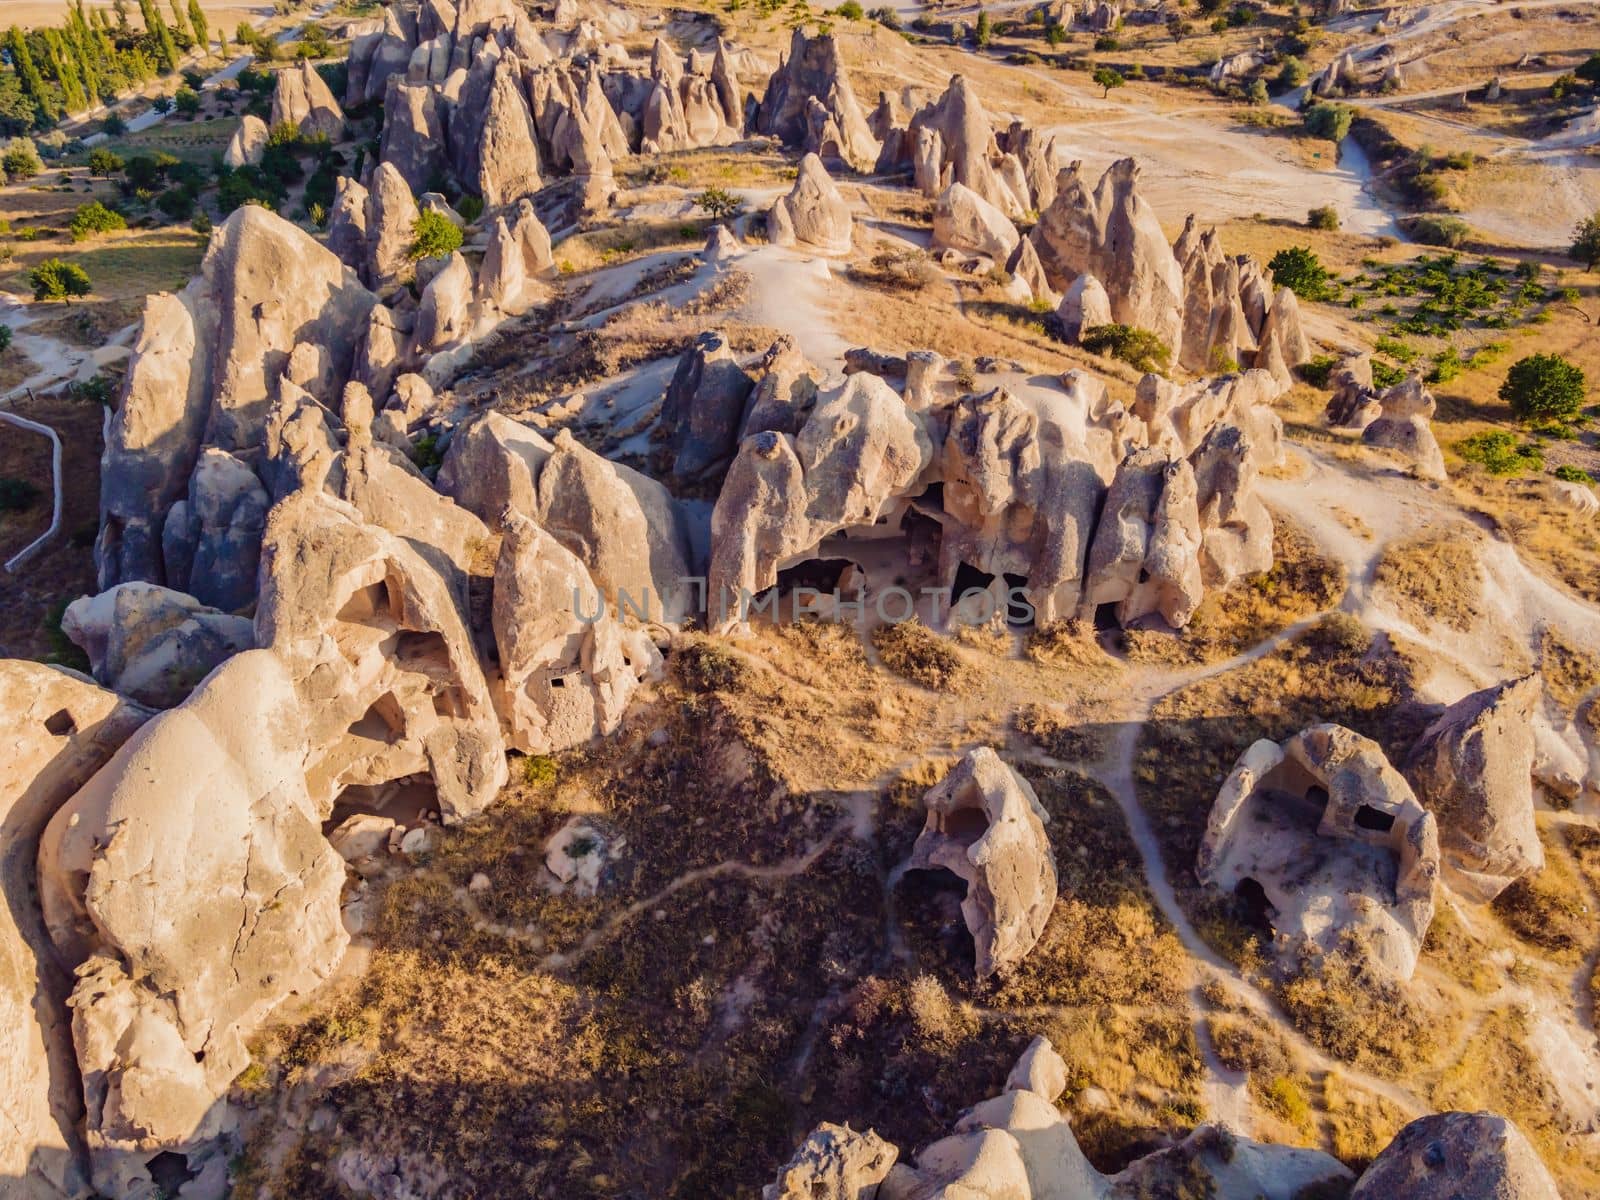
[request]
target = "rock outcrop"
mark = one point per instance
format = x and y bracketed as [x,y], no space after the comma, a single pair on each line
[813,216]
[1457,1156]
[1473,770]
[834,1163]
[1331,839]
[986,826]
[56,730]
[189,884]
[1145,558]
[301,98]
[568,665]
[1403,427]
[965,222]
[809,104]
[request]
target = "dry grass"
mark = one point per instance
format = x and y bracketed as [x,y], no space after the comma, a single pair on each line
[1434,579]
[1360,1123]
[1570,672]
[1550,910]
[914,651]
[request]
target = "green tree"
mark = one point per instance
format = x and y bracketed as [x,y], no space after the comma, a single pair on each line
[28,73]
[719,202]
[166,49]
[314,43]
[1331,122]
[201,27]
[1325,217]
[180,23]
[433,235]
[57,279]
[18,114]
[1300,270]
[1586,242]
[1589,72]
[21,159]
[95,218]
[1055,33]
[1544,387]
[64,69]
[1107,78]
[187,101]
[103,162]
[1139,348]
[983,31]
[1256,93]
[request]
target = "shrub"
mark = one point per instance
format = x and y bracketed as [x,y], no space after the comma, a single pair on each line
[177,203]
[103,162]
[983,31]
[1139,348]
[21,159]
[1450,232]
[1318,370]
[1292,74]
[1300,270]
[114,126]
[719,203]
[16,495]
[1586,241]
[1571,474]
[470,208]
[1500,453]
[162,104]
[850,10]
[95,218]
[1325,217]
[1331,122]
[914,651]
[433,235]
[186,101]
[1544,387]
[1256,93]
[5,338]
[57,279]
[1386,375]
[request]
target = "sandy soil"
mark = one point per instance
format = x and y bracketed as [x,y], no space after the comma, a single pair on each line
[40,12]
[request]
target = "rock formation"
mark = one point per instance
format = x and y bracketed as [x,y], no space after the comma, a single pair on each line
[1018,1146]
[1473,770]
[703,412]
[965,222]
[809,104]
[813,216]
[568,665]
[986,826]
[1269,836]
[1402,424]
[56,730]
[302,99]
[1145,558]
[189,884]
[1457,1154]
[248,144]
[151,644]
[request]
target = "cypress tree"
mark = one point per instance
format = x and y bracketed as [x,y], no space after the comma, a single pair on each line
[28,73]
[180,23]
[166,49]
[81,44]
[202,29]
[120,7]
[65,71]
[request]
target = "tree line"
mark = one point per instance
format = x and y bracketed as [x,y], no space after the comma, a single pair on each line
[92,57]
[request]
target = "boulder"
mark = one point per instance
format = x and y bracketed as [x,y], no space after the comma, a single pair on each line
[986,826]
[152,644]
[965,222]
[493,465]
[1331,838]
[813,215]
[834,1163]
[373,639]
[189,883]
[1083,306]
[56,730]
[568,665]
[248,143]
[1473,770]
[301,98]
[1457,1156]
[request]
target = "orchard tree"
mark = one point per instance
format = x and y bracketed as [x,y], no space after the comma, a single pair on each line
[1108,78]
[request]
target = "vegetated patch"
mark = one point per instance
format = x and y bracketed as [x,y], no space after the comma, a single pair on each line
[1570,671]
[1058,736]
[914,651]
[1139,348]
[1501,452]
[1300,582]
[1071,644]
[1460,954]
[1435,577]
[1549,909]
[1360,1122]
[1565,544]
[897,270]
